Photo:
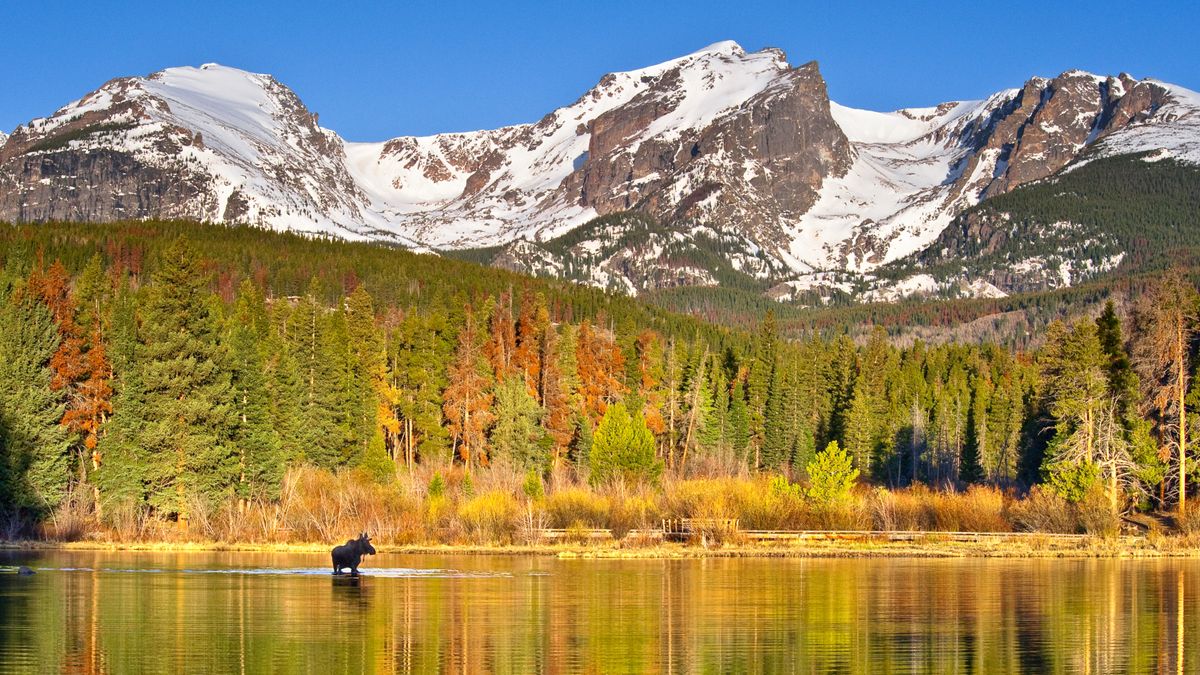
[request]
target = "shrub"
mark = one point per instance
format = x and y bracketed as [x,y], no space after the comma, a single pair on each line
[831,476]
[1094,513]
[576,505]
[1189,520]
[1044,511]
[632,512]
[979,509]
[491,517]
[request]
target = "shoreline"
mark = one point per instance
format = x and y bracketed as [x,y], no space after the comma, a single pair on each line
[927,545]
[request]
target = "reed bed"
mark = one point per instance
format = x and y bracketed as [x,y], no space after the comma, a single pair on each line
[499,506]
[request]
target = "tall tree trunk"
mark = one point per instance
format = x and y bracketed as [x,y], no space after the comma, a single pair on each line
[1181,385]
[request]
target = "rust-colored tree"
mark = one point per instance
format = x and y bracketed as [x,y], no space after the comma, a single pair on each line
[468,398]
[551,392]
[649,350]
[600,364]
[79,365]
[502,341]
[1164,323]
[527,354]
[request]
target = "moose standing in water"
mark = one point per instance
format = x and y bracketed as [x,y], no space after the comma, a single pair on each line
[350,554]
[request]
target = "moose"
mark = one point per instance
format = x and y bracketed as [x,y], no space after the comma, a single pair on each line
[350,554]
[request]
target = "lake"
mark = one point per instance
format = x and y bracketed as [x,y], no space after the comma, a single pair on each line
[123,612]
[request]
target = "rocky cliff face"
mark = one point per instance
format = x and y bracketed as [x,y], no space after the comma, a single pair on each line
[720,143]
[209,143]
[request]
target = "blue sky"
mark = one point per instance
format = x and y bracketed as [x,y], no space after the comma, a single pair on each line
[374,71]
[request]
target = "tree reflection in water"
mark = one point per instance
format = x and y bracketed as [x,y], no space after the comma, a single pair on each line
[532,614]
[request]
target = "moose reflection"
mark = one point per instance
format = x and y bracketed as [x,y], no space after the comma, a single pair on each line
[350,554]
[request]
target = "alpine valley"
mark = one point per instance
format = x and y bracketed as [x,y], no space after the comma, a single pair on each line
[719,168]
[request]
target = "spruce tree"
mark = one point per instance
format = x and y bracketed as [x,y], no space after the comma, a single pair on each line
[34,447]
[187,396]
[518,436]
[623,449]
[252,435]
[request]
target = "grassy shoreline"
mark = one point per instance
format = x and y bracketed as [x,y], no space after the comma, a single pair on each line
[927,546]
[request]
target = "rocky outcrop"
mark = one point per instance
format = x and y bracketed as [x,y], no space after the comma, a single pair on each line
[740,142]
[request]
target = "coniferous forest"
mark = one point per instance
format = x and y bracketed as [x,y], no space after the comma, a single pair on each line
[164,380]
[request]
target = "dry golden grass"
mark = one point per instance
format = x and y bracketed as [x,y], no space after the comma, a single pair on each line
[436,507]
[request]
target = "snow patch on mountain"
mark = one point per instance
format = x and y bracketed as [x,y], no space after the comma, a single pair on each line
[1172,131]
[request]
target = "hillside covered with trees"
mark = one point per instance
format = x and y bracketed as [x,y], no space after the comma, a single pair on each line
[161,375]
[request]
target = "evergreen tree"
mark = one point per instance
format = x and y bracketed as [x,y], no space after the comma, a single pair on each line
[1076,387]
[34,447]
[518,435]
[831,475]
[739,422]
[859,437]
[623,448]
[759,380]
[318,368]
[252,436]
[123,472]
[186,392]
[370,390]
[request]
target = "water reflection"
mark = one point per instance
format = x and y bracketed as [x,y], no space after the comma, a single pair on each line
[115,613]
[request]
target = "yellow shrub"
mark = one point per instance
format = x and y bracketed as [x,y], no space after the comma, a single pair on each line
[565,508]
[491,517]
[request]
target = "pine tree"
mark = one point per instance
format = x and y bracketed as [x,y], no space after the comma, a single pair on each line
[552,392]
[34,447]
[420,352]
[518,436]
[370,389]
[252,436]
[501,344]
[699,409]
[531,323]
[600,362]
[739,422]
[468,398]
[623,449]
[859,436]
[79,366]
[759,380]
[123,474]
[187,393]
[1076,388]
[831,475]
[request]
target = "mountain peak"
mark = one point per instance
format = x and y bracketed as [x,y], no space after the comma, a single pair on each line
[720,144]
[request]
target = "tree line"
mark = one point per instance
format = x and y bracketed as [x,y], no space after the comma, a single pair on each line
[162,393]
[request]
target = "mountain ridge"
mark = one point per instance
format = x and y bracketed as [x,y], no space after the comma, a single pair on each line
[721,145]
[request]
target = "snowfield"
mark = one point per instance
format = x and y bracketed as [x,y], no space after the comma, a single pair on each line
[264,159]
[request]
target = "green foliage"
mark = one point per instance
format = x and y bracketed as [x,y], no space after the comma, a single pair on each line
[33,446]
[437,486]
[1072,481]
[518,435]
[532,487]
[780,486]
[187,399]
[623,448]
[831,476]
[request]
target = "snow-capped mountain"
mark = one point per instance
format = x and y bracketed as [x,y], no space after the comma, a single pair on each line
[741,149]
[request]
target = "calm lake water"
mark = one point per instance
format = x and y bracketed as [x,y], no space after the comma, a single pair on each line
[96,612]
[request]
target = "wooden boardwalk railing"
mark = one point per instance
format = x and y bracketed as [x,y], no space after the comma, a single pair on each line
[684,529]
